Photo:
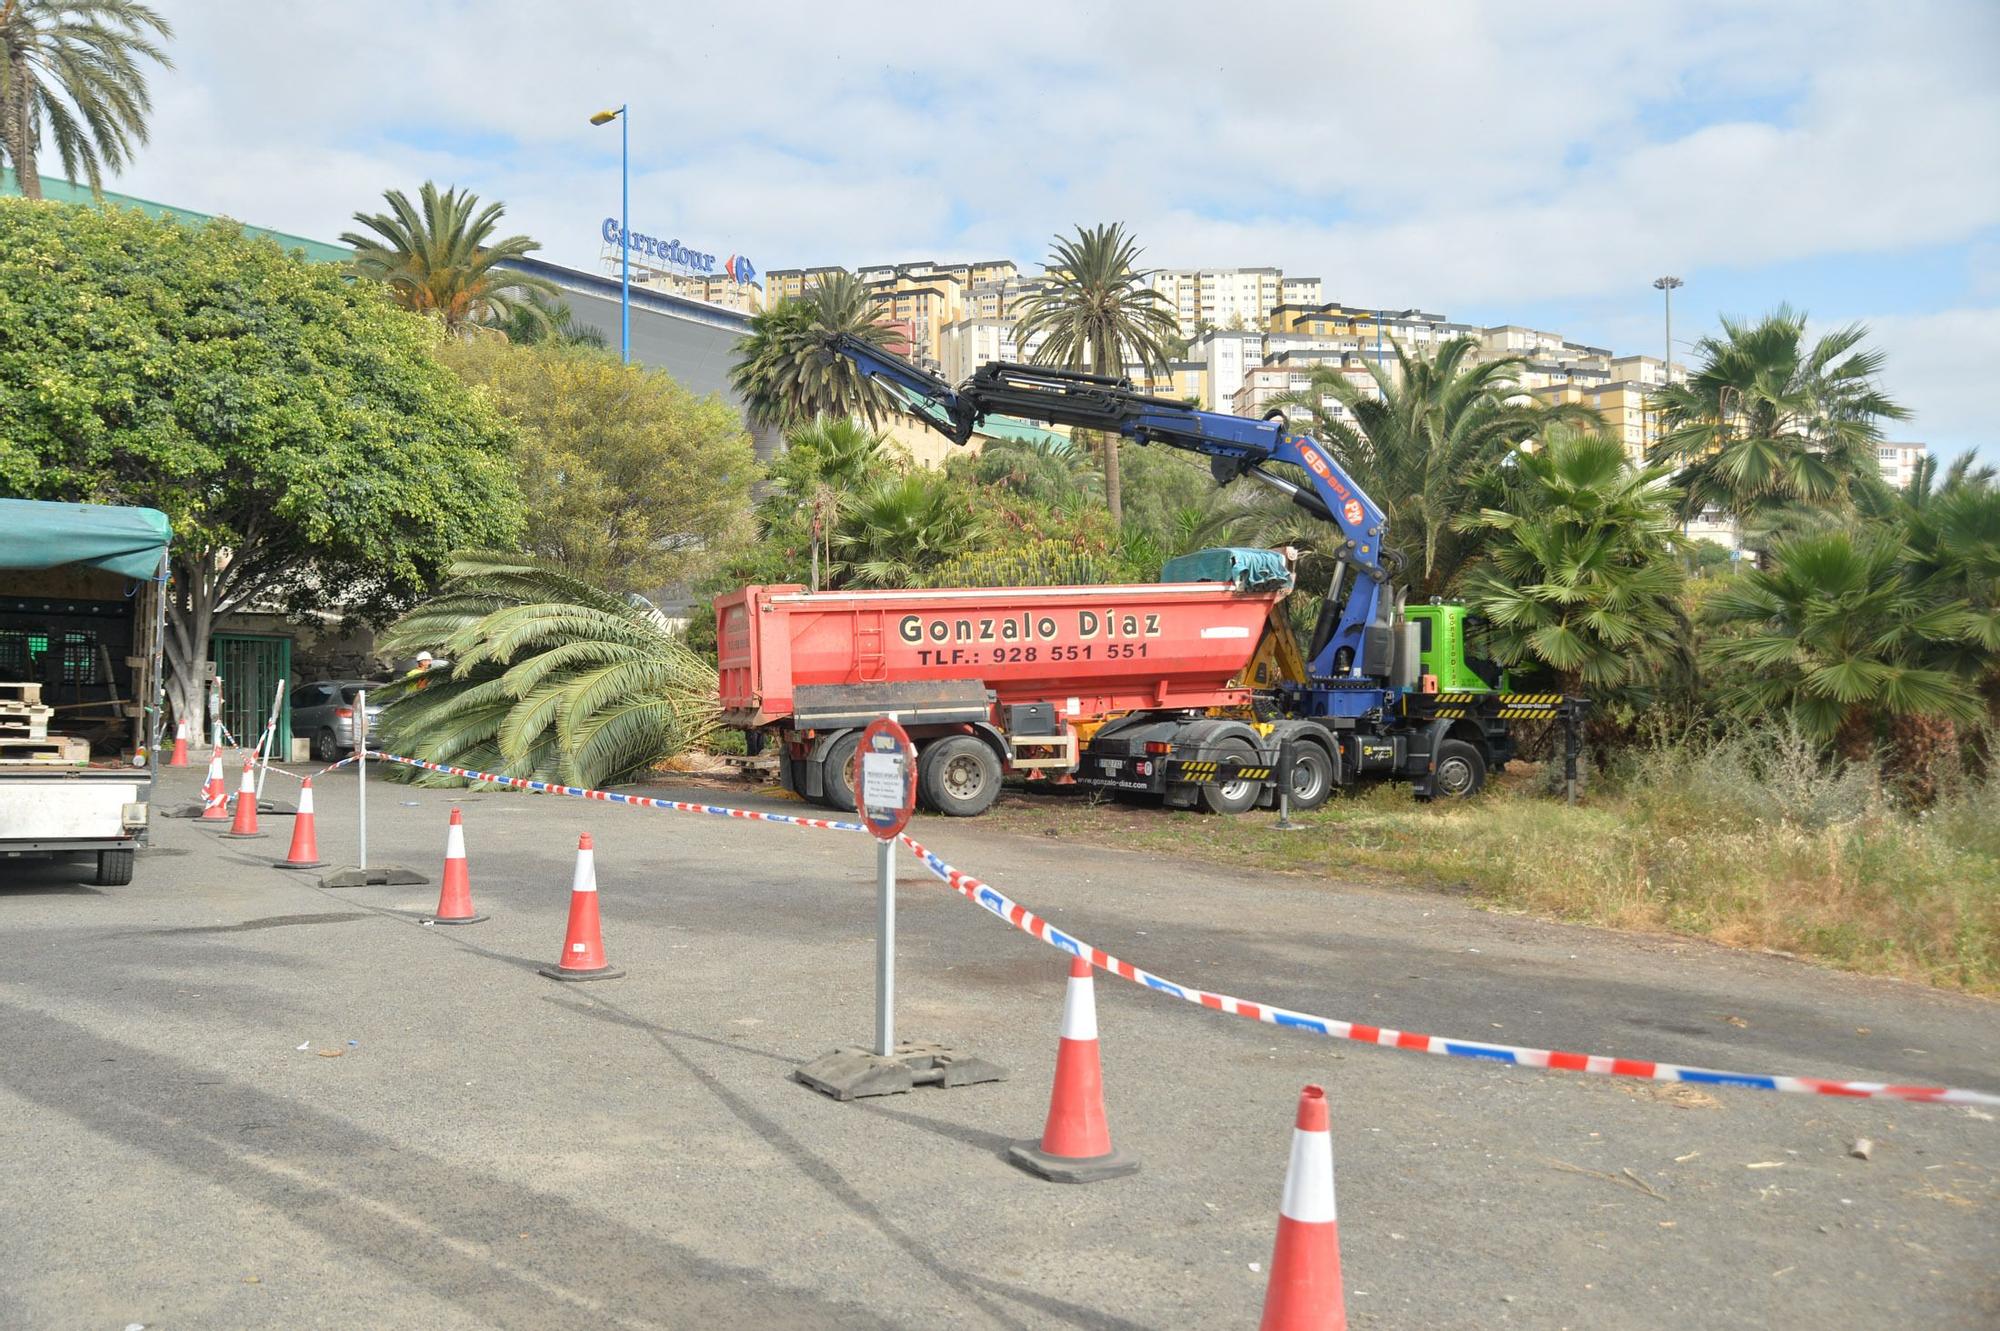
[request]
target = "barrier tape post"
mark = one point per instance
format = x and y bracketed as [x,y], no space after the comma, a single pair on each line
[1287,755]
[360,875]
[884,782]
[268,745]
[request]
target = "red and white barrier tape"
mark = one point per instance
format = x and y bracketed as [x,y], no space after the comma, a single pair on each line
[998,903]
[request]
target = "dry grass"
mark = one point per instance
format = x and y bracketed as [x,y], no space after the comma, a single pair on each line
[1751,842]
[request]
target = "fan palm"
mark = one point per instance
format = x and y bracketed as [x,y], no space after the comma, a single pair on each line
[1840,634]
[1420,441]
[72,69]
[551,678]
[1093,310]
[440,258]
[1579,573]
[896,531]
[788,371]
[1769,423]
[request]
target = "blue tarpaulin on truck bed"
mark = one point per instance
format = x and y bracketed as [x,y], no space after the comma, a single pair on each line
[127,541]
[1251,570]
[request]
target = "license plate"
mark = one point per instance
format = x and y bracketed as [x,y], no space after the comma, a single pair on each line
[1112,764]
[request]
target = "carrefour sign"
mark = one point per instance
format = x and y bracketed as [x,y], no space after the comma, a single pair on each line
[673,254]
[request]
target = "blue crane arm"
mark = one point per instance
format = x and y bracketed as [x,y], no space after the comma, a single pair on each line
[1235,446]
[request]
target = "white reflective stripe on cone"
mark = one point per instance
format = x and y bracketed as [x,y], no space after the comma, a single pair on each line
[454,843]
[1309,1180]
[306,798]
[1079,1010]
[586,872]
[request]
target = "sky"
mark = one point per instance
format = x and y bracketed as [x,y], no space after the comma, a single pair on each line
[1496,163]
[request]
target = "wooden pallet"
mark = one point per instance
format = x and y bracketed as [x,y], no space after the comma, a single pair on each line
[28,695]
[23,721]
[64,750]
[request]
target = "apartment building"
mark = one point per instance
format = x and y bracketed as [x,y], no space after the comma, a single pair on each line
[712,289]
[781,284]
[1225,356]
[1232,298]
[1624,405]
[1899,462]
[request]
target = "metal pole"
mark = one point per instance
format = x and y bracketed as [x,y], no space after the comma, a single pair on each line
[885,949]
[1569,754]
[361,770]
[1287,756]
[625,235]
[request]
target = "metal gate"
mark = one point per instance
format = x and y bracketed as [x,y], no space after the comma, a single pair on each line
[251,664]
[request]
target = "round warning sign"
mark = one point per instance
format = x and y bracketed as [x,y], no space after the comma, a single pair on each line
[885,778]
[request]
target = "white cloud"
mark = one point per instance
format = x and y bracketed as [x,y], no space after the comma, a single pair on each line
[1941,367]
[1447,154]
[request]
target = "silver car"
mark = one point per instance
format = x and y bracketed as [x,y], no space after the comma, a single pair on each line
[324,714]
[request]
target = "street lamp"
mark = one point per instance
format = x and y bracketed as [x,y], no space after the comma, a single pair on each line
[624,227]
[1666,286]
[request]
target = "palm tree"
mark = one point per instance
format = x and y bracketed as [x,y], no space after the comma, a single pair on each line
[544,318]
[899,529]
[1092,312]
[1768,423]
[1839,633]
[1420,440]
[1579,571]
[551,678]
[788,371]
[72,69]
[441,259]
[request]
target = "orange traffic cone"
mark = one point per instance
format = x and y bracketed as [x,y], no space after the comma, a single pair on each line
[583,944]
[1076,1141]
[455,897]
[214,796]
[1304,1289]
[304,853]
[180,758]
[245,825]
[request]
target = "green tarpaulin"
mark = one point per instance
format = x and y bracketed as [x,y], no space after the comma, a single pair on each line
[128,541]
[1251,570]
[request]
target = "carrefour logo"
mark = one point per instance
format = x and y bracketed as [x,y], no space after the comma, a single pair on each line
[670,253]
[740,268]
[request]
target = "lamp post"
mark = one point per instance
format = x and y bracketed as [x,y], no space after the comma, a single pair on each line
[624,227]
[1666,286]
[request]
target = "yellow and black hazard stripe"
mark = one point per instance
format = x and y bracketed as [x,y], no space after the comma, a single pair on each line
[1530,699]
[1203,772]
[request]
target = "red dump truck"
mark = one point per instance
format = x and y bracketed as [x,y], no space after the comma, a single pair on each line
[1115,686]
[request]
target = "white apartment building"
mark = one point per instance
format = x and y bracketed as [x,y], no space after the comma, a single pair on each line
[966,344]
[1226,355]
[1300,291]
[1899,462]
[1221,297]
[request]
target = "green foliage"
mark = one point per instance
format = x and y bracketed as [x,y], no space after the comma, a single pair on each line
[633,480]
[72,70]
[1578,571]
[1842,632]
[896,531]
[1095,308]
[441,259]
[1767,423]
[271,408]
[1039,563]
[551,678]
[1423,440]
[550,320]
[788,371]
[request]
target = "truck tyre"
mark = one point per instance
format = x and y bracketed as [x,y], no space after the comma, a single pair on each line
[1459,772]
[836,772]
[1312,776]
[114,868]
[1232,796]
[326,748]
[959,776]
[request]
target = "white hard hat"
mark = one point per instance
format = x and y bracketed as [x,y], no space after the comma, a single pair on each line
[423,656]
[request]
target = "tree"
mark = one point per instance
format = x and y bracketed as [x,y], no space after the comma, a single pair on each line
[788,371]
[1093,309]
[1767,423]
[550,320]
[631,478]
[1579,572]
[292,424]
[73,70]
[1842,633]
[442,260]
[551,678]
[900,528]
[1420,441]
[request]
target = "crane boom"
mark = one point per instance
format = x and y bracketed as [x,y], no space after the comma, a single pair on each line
[1234,445]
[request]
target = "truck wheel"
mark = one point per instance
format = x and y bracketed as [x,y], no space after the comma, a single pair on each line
[959,776]
[836,774]
[1312,776]
[1460,771]
[326,749]
[1232,796]
[114,868]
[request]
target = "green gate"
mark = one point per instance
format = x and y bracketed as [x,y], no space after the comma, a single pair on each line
[251,664]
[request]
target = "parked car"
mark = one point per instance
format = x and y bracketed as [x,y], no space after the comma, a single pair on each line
[324,713]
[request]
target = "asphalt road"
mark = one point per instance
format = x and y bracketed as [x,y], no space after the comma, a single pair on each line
[493,1149]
